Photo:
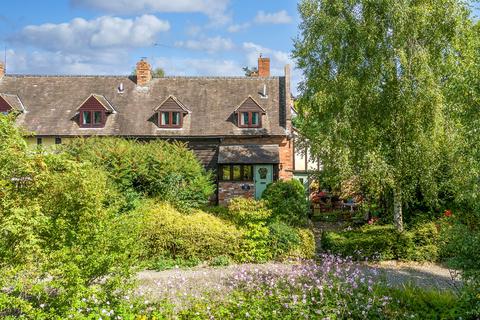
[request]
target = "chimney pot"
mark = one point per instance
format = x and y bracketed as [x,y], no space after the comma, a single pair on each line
[263,67]
[144,73]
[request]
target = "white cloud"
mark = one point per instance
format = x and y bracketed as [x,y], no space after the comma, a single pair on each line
[46,62]
[238,27]
[207,44]
[198,67]
[254,50]
[280,17]
[101,33]
[215,9]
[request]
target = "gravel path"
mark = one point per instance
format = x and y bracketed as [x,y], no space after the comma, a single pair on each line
[194,282]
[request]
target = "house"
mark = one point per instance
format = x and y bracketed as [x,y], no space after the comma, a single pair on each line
[239,127]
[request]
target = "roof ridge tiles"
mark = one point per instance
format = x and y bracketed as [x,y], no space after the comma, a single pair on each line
[128,76]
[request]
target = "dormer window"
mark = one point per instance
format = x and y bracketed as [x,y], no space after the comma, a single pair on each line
[170,119]
[10,103]
[249,114]
[92,118]
[249,119]
[93,112]
[171,113]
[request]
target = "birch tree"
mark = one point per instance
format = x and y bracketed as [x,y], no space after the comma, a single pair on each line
[375,102]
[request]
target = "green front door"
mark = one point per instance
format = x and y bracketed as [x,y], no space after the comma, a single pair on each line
[263,175]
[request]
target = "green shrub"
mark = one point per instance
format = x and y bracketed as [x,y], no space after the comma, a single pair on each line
[307,247]
[419,303]
[62,236]
[169,233]
[251,216]
[220,261]
[283,239]
[384,243]
[157,169]
[243,211]
[288,201]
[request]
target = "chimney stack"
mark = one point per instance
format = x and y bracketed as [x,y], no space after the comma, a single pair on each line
[2,70]
[144,73]
[263,67]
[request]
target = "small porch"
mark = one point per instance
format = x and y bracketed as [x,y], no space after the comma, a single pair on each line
[246,170]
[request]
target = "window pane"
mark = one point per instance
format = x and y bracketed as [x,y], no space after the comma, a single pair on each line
[87,119]
[244,118]
[237,173]
[58,140]
[97,117]
[176,118]
[165,120]
[254,118]
[247,173]
[226,173]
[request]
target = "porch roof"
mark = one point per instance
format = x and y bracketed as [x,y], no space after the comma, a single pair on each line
[249,154]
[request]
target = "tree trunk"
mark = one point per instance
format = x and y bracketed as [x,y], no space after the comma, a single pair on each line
[397,210]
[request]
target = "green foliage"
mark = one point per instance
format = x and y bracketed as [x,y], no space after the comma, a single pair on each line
[251,216]
[61,234]
[416,303]
[385,243]
[244,211]
[169,233]
[283,238]
[288,201]
[461,250]
[384,97]
[220,261]
[157,169]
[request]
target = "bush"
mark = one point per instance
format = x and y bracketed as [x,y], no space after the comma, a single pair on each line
[220,261]
[169,233]
[283,239]
[288,201]
[244,211]
[385,243]
[160,169]
[307,247]
[62,237]
[251,216]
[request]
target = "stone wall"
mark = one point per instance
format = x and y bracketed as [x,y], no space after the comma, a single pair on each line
[227,190]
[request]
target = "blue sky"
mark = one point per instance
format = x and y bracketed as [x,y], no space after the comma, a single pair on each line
[184,37]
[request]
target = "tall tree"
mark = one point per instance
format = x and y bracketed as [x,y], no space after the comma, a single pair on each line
[375,100]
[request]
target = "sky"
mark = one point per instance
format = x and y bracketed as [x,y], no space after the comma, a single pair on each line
[184,37]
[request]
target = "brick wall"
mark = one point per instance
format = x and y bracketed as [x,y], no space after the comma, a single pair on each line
[286,159]
[227,190]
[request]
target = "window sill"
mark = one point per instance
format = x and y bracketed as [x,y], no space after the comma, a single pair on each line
[169,128]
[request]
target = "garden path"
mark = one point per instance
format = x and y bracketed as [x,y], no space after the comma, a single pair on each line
[196,281]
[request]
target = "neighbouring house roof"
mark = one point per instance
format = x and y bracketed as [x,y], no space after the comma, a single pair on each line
[248,154]
[52,102]
[13,101]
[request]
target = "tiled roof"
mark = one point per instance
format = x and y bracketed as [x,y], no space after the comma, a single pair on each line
[52,102]
[14,101]
[247,154]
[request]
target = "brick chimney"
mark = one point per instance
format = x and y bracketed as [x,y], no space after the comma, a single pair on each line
[144,73]
[2,70]
[263,67]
